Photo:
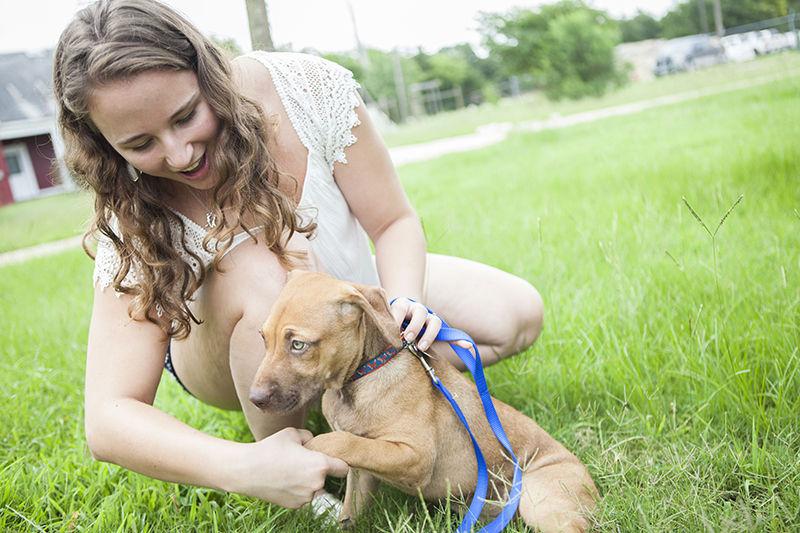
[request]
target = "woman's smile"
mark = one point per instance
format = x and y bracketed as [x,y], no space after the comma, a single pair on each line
[161,124]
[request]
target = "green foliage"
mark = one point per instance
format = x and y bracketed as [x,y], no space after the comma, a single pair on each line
[228,45]
[684,18]
[640,27]
[567,46]
[578,57]
[455,67]
[516,37]
[377,76]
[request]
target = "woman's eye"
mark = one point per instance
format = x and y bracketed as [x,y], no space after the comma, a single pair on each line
[142,147]
[298,346]
[187,118]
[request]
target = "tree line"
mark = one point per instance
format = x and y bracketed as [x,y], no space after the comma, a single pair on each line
[565,49]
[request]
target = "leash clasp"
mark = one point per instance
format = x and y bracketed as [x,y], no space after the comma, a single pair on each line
[422,356]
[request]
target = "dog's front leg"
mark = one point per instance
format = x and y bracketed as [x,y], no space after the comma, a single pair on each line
[400,463]
[357,496]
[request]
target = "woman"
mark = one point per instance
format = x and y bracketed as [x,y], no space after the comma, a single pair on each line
[212,179]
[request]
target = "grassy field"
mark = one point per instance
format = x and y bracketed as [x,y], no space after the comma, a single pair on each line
[65,215]
[536,107]
[668,366]
[44,220]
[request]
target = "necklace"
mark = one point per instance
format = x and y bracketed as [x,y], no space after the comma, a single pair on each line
[211,218]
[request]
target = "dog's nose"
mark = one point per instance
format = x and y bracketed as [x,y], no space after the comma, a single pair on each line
[262,394]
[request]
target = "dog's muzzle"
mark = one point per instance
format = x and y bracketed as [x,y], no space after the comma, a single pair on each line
[270,397]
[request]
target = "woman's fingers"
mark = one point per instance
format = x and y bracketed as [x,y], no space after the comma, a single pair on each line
[418,319]
[337,467]
[399,309]
[432,327]
[300,436]
[305,435]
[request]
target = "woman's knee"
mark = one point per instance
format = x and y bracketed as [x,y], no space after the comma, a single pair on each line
[525,321]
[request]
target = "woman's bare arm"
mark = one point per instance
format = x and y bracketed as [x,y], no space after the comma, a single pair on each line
[123,368]
[374,193]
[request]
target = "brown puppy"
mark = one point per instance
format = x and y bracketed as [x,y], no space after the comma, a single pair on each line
[392,424]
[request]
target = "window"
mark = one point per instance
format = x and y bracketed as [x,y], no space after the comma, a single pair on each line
[14,166]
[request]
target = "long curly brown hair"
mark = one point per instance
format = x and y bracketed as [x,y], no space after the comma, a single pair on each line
[117,39]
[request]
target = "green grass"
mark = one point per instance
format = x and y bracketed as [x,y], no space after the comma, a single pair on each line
[536,107]
[681,397]
[58,217]
[43,220]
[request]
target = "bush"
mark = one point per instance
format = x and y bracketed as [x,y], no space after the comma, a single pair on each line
[578,57]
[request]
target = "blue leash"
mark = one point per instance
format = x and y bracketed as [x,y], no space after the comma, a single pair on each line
[474,365]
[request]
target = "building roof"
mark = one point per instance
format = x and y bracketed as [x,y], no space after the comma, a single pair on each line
[26,86]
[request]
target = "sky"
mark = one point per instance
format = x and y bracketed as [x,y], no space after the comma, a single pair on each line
[325,25]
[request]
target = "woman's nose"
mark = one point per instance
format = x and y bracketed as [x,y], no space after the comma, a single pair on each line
[178,155]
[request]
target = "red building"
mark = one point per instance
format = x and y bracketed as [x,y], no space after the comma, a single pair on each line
[29,142]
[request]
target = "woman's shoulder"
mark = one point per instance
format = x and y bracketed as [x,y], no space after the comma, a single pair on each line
[287,70]
[267,76]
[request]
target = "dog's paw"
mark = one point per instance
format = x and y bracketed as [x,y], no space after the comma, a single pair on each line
[327,443]
[346,522]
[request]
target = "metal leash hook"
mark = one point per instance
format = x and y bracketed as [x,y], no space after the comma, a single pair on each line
[422,356]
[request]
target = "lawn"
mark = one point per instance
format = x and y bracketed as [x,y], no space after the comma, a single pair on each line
[536,107]
[57,217]
[668,366]
[44,220]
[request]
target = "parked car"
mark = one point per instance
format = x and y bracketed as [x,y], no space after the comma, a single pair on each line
[689,53]
[774,41]
[737,47]
[746,46]
[791,39]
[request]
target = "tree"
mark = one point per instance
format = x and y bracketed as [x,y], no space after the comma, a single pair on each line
[260,35]
[568,47]
[516,37]
[683,19]
[579,57]
[640,27]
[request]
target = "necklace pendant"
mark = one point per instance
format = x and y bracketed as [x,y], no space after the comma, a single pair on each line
[211,220]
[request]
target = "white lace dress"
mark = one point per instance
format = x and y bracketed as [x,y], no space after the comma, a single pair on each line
[320,99]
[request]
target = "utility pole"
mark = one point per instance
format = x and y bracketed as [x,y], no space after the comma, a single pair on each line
[400,86]
[260,35]
[718,18]
[362,52]
[701,7]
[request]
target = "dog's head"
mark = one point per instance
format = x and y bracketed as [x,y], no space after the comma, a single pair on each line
[317,334]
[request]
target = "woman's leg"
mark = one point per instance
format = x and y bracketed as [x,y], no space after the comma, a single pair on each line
[501,312]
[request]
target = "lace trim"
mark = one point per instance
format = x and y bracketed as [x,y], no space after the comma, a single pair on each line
[107,261]
[320,98]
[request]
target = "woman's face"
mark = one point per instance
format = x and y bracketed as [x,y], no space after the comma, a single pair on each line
[161,124]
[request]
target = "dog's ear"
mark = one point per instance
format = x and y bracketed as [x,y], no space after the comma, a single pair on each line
[373,303]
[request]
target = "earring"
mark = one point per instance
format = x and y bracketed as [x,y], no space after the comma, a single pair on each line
[134,173]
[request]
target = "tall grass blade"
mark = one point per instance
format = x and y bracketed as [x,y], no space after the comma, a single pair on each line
[695,215]
[728,212]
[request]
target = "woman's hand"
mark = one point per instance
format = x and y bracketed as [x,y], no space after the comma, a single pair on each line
[418,317]
[278,469]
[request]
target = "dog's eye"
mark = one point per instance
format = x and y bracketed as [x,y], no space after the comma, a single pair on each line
[298,346]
